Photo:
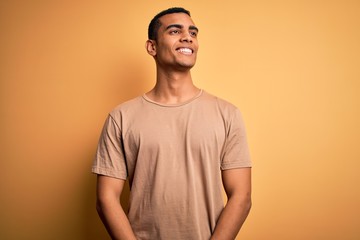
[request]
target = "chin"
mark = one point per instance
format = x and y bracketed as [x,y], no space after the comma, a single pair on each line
[187,64]
[185,67]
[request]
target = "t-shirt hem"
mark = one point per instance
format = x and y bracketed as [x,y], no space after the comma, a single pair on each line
[235,165]
[108,172]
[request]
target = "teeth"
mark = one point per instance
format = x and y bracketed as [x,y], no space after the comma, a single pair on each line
[185,50]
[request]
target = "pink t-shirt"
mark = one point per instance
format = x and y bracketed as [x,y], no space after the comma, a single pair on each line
[173,156]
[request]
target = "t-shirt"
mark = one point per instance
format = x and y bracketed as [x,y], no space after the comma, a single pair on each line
[173,156]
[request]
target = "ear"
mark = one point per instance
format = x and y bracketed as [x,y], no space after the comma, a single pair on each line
[150,46]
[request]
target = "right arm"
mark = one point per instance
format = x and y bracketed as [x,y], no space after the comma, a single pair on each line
[109,208]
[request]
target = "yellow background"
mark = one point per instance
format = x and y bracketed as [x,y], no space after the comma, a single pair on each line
[292,67]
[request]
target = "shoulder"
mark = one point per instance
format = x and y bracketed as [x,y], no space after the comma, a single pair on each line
[224,106]
[126,108]
[128,104]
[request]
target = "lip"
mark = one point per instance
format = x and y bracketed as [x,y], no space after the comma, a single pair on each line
[178,50]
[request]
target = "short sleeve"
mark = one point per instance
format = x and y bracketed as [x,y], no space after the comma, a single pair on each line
[236,151]
[109,158]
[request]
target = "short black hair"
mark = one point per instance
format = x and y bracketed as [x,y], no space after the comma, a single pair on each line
[155,22]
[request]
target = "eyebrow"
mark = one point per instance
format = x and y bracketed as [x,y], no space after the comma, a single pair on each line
[192,27]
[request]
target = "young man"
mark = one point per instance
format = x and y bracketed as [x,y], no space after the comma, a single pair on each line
[178,146]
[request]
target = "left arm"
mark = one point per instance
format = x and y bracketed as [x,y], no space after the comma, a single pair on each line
[237,184]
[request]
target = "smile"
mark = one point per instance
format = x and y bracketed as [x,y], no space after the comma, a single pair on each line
[186,51]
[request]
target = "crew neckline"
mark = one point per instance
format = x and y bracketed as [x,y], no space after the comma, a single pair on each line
[175,104]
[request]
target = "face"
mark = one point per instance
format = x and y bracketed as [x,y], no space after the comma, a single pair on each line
[176,45]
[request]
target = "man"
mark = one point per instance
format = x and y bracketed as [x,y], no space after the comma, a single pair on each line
[178,146]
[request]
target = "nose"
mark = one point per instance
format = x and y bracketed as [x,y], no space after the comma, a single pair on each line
[186,37]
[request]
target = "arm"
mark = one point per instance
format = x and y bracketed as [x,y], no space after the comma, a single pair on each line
[109,208]
[237,184]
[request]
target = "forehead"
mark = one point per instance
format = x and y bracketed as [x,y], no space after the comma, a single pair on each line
[176,18]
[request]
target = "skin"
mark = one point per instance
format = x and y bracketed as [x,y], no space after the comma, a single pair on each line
[174,85]
[237,185]
[110,210]
[173,82]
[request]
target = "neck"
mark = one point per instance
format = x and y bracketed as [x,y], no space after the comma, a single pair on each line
[173,87]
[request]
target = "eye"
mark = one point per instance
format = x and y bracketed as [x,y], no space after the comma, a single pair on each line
[194,33]
[174,32]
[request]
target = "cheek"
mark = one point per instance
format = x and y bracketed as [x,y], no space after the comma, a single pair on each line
[196,44]
[167,51]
